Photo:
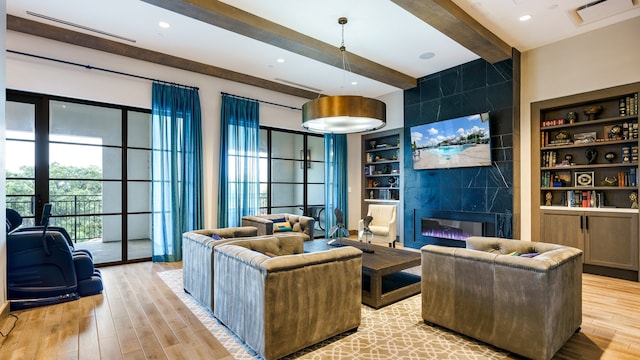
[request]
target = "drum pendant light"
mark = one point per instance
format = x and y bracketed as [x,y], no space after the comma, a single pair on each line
[345,113]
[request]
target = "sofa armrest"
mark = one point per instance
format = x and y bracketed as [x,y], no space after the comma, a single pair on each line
[263,225]
[283,244]
[229,233]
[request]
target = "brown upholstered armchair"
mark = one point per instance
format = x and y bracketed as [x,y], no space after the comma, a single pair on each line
[500,292]
[264,223]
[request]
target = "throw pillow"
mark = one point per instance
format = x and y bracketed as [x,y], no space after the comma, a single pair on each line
[530,255]
[281,225]
[216,237]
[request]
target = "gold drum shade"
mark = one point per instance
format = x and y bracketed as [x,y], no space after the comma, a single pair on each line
[343,114]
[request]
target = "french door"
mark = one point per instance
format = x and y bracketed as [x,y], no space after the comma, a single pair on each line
[91,162]
[292,174]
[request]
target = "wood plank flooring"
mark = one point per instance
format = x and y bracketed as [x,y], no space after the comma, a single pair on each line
[139,317]
[136,317]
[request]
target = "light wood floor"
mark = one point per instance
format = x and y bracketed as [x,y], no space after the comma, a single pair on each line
[138,317]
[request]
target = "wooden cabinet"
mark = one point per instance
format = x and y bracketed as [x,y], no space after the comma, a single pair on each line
[608,239]
[562,227]
[611,240]
[584,163]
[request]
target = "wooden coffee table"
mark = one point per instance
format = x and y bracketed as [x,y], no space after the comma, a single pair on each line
[383,282]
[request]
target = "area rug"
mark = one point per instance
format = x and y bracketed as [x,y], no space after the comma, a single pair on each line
[396,331]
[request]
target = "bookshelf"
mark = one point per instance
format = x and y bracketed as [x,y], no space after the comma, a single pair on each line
[585,175]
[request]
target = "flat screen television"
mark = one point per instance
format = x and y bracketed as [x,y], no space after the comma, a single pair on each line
[452,143]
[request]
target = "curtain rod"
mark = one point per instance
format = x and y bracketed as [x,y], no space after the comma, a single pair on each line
[261,101]
[101,69]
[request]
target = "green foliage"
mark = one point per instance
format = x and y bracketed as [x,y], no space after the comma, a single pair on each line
[69,197]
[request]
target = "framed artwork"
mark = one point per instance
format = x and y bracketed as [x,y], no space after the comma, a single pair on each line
[583,178]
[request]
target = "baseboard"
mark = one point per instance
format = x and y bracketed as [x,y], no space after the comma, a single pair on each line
[4,311]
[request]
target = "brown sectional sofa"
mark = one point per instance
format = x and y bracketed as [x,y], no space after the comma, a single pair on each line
[530,306]
[264,223]
[280,300]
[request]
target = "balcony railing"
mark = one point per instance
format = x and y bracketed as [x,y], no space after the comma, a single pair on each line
[78,214]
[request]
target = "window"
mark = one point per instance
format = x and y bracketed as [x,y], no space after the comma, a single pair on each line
[292,174]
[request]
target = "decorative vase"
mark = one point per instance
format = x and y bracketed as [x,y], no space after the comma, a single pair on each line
[610,156]
[591,154]
[593,111]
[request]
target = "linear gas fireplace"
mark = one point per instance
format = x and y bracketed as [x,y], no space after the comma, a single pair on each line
[452,228]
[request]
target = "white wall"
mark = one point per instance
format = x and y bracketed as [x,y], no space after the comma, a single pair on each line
[599,59]
[42,76]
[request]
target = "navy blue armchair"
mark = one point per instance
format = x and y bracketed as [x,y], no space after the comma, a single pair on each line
[44,268]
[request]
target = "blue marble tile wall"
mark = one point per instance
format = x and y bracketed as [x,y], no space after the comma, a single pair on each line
[471,88]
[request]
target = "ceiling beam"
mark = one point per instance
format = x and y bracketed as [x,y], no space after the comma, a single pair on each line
[227,17]
[448,18]
[31,27]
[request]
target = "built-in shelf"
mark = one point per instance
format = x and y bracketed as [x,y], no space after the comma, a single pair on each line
[601,209]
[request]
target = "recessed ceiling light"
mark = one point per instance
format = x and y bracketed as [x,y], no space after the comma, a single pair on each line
[525,17]
[427,55]
[354,83]
[164,25]
[280,60]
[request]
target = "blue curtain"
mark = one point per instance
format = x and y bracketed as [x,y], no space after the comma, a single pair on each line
[176,168]
[239,185]
[336,182]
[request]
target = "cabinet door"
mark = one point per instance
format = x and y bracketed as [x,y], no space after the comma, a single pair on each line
[612,240]
[562,227]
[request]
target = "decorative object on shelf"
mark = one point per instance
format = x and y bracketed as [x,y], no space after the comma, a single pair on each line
[392,181]
[593,111]
[548,197]
[371,194]
[372,144]
[562,135]
[572,116]
[568,158]
[614,132]
[584,138]
[386,169]
[343,114]
[591,154]
[583,178]
[610,181]
[376,183]
[610,156]
[633,197]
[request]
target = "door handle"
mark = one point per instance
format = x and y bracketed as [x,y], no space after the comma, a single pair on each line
[586,222]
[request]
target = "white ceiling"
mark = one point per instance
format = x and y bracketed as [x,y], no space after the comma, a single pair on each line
[377,30]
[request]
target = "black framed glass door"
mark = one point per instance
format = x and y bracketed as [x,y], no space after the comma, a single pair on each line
[76,156]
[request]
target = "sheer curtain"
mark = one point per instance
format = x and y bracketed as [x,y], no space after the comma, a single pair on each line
[176,168]
[239,185]
[336,182]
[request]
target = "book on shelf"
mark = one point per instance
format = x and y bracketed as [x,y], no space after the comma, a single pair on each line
[628,106]
[583,199]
